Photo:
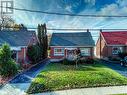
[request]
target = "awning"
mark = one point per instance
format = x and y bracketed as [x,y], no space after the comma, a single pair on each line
[70,48]
[15,48]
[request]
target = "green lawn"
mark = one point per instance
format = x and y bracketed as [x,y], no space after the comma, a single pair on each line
[57,76]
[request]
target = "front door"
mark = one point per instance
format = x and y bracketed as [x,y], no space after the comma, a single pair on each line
[70,54]
[14,55]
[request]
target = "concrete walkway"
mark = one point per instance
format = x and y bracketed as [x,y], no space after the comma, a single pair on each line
[20,84]
[90,91]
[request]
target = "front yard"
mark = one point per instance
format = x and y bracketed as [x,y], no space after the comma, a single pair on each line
[57,76]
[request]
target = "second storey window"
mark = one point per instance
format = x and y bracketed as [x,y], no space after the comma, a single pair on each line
[59,51]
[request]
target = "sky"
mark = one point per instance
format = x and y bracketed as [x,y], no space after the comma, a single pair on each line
[101,7]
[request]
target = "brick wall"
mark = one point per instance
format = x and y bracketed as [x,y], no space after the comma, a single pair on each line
[60,57]
[106,51]
[52,53]
[103,49]
[22,55]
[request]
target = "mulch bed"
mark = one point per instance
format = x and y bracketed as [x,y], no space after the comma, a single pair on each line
[4,80]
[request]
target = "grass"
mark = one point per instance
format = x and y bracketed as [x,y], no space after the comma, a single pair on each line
[57,76]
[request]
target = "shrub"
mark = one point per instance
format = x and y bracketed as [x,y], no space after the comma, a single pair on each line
[8,66]
[87,60]
[122,55]
[82,61]
[113,58]
[9,69]
[34,53]
[110,58]
[68,62]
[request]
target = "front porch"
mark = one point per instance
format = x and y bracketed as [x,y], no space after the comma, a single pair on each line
[19,54]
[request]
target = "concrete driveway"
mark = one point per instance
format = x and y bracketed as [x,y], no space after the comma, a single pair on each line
[116,66]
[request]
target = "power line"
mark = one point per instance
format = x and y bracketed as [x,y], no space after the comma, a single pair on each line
[83,31]
[71,29]
[68,14]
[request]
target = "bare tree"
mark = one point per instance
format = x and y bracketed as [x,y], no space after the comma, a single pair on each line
[6,22]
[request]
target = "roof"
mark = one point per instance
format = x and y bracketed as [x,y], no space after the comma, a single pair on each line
[72,39]
[15,38]
[115,38]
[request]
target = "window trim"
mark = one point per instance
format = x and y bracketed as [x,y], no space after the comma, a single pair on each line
[88,51]
[60,53]
[120,48]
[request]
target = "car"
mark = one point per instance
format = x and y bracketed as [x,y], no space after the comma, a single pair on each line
[123,62]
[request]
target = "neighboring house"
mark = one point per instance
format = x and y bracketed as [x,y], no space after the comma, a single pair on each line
[61,44]
[111,44]
[18,41]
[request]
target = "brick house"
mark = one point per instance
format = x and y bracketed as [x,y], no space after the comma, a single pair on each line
[63,43]
[110,44]
[18,41]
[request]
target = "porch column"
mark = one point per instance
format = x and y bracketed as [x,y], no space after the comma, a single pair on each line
[24,54]
[65,53]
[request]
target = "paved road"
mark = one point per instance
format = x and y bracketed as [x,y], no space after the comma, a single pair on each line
[116,66]
[21,83]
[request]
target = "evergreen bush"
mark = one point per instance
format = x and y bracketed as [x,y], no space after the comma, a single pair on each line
[8,66]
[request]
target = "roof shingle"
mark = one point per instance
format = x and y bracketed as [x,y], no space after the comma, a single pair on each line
[13,38]
[115,38]
[72,39]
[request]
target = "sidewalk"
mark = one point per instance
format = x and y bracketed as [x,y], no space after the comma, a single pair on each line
[90,91]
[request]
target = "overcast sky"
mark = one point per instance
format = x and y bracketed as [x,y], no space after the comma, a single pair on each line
[103,7]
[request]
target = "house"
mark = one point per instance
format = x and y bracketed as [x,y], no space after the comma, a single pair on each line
[18,41]
[110,44]
[64,44]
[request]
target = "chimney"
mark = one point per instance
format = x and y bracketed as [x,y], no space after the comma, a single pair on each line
[87,30]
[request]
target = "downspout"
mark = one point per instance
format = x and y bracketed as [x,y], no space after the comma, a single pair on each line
[100,42]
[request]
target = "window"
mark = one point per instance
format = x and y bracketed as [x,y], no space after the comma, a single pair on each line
[85,51]
[116,50]
[6,7]
[59,51]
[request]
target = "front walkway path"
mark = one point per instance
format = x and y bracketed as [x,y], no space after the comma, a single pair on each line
[21,82]
[90,91]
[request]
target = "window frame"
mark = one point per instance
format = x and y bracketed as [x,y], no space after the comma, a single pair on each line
[119,48]
[59,53]
[84,52]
